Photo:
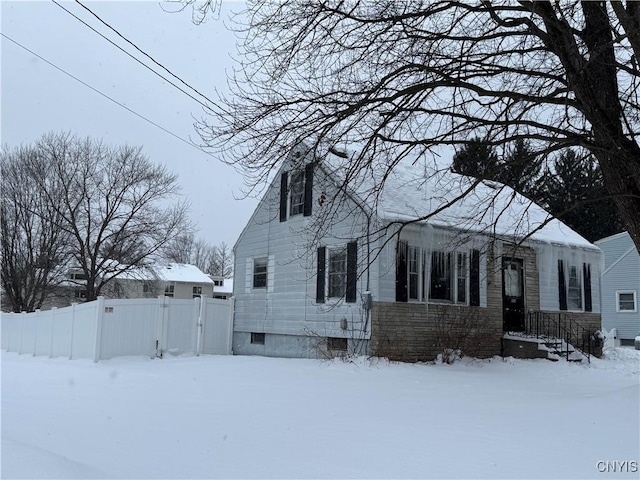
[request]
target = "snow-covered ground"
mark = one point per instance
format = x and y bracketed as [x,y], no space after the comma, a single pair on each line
[254,417]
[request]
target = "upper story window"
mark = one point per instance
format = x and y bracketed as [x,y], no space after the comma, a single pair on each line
[78,276]
[296,192]
[626,301]
[296,205]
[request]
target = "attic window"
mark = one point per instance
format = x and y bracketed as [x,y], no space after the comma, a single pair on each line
[297,194]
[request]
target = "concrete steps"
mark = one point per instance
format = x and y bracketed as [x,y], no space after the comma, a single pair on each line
[522,346]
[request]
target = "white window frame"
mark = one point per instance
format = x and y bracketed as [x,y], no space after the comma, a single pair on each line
[635,301]
[296,208]
[454,278]
[331,252]
[197,291]
[262,262]
[424,266]
[169,289]
[249,288]
[580,287]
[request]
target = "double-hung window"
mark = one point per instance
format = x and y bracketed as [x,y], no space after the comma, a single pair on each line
[296,198]
[260,272]
[197,291]
[337,272]
[169,290]
[626,301]
[442,277]
[296,192]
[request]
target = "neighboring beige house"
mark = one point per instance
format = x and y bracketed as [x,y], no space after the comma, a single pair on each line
[177,280]
[222,287]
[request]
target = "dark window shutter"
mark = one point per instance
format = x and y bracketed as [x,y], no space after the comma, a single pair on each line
[308,189]
[474,281]
[284,193]
[401,271]
[352,271]
[588,300]
[562,287]
[322,262]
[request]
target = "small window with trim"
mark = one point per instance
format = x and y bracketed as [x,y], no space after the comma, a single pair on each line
[626,301]
[260,272]
[169,290]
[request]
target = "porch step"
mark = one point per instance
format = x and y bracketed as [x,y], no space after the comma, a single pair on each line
[523,346]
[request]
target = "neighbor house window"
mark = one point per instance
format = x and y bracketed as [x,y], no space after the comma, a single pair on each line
[80,293]
[296,199]
[146,287]
[169,290]
[260,272]
[626,301]
[197,292]
[337,272]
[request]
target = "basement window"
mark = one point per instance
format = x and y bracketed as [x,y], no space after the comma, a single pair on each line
[257,338]
[337,344]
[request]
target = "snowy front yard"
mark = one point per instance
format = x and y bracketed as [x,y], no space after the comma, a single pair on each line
[254,417]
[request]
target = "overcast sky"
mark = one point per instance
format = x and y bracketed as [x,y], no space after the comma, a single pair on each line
[37,98]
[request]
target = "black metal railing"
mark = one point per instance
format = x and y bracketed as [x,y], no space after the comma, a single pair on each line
[561,327]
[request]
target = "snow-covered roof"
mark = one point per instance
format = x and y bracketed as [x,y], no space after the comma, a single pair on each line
[417,189]
[170,272]
[181,272]
[226,288]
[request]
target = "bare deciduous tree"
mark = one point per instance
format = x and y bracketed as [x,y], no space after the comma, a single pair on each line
[111,204]
[211,259]
[34,254]
[407,78]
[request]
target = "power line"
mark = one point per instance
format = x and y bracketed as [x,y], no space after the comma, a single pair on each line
[107,96]
[136,59]
[143,52]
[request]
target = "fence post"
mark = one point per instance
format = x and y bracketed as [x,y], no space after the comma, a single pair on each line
[53,326]
[35,334]
[201,319]
[98,335]
[230,336]
[23,316]
[73,321]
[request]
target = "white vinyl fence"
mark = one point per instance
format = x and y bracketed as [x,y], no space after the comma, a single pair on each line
[113,328]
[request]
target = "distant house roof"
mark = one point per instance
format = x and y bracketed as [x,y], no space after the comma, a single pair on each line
[226,288]
[181,272]
[415,188]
